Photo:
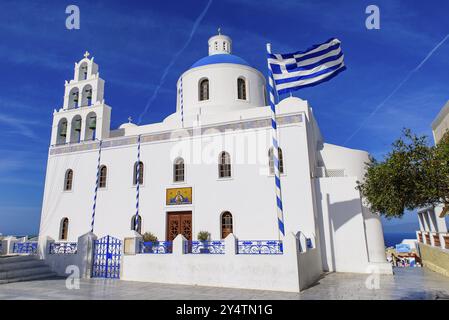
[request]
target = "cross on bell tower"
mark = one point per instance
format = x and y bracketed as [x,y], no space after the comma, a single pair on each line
[86,54]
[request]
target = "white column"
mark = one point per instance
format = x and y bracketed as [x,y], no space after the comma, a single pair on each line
[178,245]
[85,253]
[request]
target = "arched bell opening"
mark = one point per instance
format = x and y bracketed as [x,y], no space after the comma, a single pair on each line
[82,73]
[87,96]
[91,126]
[61,137]
[76,129]
[74,98]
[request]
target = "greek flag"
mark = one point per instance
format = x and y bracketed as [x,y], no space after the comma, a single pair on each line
[308,68]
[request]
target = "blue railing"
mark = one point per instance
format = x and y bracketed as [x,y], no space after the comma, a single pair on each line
[1,246]
[260,247]
[25,248]
[63,248]
[157,247]
[205,247]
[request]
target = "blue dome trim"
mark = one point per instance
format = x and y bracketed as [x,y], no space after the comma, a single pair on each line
[220,58]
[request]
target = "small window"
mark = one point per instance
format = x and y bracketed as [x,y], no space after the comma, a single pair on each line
[226,224]
[178,170]
[137,221]
[224,165]
[64,229]
[271,160]
[241,89]
[68,180]
[102,178]
[204,90]
[140,165]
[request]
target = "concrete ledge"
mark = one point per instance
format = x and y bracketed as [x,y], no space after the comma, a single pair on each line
[436,259]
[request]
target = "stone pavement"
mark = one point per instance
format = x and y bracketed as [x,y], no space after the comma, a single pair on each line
[414,283]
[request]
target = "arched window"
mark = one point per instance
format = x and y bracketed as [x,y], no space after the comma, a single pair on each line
[68,180]
[103,176]
[140,165]
[226,224]
[224,165]
[204,90]
[241,88]
[139,225]
[64,230]
[271,160]
[178,170]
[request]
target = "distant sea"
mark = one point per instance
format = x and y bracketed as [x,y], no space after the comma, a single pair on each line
[392,239]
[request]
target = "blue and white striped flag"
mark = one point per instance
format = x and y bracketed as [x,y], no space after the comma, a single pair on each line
[308,68]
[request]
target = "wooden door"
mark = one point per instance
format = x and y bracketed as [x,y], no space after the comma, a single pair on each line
[179,223]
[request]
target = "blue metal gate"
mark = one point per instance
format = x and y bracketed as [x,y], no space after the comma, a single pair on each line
[106,262]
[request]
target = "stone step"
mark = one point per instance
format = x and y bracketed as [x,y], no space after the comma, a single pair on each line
[17,258]
[41,276]
[18,273]
[21,264]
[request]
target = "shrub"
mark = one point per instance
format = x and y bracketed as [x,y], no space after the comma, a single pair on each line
[203,236]
[149,237]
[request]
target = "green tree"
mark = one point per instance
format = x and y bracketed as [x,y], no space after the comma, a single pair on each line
[412,175]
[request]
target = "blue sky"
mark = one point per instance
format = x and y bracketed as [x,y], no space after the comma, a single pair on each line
[134,43]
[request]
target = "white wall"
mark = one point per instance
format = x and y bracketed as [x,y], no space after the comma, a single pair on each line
[222,88]
[249,195]
[263,272]
[343,237]
[354,162]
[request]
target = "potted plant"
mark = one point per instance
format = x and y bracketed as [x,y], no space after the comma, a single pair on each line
[203,236]
[149,237]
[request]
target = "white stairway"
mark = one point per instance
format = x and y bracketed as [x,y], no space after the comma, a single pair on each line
[23,268]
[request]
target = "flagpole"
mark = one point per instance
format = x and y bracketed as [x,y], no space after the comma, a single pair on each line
[136,222]
[97,181]
[181,100]
[274,135]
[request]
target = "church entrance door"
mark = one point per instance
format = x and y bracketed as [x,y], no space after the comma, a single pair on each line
[179,222]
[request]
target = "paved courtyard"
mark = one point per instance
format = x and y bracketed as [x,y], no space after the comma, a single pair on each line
[414,283]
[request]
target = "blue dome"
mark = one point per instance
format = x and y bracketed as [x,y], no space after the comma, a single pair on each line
[220,58]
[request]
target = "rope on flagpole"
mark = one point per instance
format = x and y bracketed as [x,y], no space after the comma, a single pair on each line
[181,103]
[274,135]
[136,222]
[96,188]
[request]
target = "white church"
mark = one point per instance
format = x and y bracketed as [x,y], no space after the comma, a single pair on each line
[206,167]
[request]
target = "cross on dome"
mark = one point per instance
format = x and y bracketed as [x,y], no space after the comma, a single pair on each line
[130,119]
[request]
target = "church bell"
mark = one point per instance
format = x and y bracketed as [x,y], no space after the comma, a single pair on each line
[77,125]
[93,123]
[63,132]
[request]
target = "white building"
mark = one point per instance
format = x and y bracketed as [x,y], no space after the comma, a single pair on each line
[433,229]
[206,167]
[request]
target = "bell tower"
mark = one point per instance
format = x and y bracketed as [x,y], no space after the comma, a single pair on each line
[220,44]
[86,88]
[84,116]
